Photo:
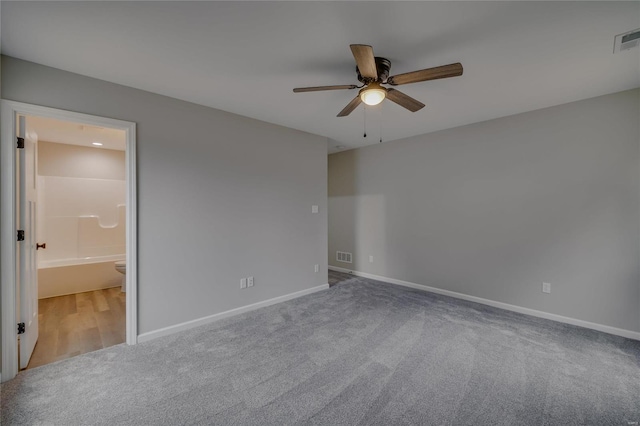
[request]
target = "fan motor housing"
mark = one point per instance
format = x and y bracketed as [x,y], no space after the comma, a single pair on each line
[383,66]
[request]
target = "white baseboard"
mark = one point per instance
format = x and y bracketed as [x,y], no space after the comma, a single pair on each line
[514,308]
[144,337]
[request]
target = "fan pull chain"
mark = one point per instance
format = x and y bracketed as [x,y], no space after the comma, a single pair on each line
[380,122]
[364,120]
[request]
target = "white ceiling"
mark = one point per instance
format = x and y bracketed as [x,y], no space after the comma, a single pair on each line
[245,57]
[51,130]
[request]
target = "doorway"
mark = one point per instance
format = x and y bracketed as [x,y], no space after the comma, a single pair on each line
[80,237]
[89,221]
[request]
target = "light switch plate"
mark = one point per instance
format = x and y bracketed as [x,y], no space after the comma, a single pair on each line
[314,209]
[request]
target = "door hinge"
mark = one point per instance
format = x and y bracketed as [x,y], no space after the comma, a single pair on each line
[20,143]
[20,235]
[21,328]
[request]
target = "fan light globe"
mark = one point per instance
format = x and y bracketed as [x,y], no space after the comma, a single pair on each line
[373,96]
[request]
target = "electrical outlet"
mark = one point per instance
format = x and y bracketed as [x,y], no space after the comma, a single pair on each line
[243,283]
[250,282]
[316,268]
[546,287]
[370,259]
[314,209]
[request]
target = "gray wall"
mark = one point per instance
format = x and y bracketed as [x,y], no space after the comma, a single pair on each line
[496,208]
[220,196]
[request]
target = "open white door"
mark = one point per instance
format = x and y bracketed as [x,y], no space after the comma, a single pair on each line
[27,258]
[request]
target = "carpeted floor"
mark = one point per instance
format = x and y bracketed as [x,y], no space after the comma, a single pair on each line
[360,353]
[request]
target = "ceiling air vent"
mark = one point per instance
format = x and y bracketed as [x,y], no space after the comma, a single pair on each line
[342,256]
[627,41]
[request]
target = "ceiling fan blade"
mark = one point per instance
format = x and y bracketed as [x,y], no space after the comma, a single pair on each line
[320,88]
[365,60]
[403,100]
[444,71]
[350,107]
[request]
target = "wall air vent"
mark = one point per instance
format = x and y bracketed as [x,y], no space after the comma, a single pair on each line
[627,41]
[343,256]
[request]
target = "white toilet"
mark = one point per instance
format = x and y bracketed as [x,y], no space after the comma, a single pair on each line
[121,266]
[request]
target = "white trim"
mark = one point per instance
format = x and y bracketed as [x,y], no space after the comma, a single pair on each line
[8,242]
[9,111]
[131,277]
[514,308]
[144,337]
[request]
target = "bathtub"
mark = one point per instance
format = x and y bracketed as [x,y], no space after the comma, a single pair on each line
[68,276]
[82,221]
[79,261]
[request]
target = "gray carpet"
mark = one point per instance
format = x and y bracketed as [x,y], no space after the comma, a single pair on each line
[360,353]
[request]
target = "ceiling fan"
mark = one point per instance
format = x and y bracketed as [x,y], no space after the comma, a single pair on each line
[373,72]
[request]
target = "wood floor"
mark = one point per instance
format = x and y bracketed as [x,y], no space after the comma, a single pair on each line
[79,323]
[336,277]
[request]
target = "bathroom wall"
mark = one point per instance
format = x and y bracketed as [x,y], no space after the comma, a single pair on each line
[59,159]
[220,196]
[81,218]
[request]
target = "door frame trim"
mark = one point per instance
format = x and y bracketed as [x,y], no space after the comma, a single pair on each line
[9,111]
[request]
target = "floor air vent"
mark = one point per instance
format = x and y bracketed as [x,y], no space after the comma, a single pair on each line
[343,256]
[627,41]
